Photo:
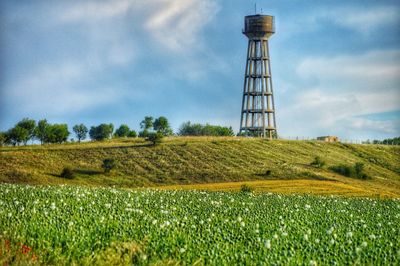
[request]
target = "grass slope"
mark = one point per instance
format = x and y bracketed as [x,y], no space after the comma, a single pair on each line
[187,161]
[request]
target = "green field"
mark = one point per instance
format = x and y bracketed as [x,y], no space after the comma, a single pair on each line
[75,225]
[200,160]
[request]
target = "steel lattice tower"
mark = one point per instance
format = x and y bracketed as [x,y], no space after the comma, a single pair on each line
[258,111]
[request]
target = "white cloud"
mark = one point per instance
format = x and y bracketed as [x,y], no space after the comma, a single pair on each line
[53,90]
[178,24]
[344,87]
[174,24]
[368,125]
[365,20]
[381,65]
[92,11]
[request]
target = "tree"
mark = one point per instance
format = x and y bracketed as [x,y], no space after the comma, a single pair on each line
[17,134]
[147,123]
[41,130]
[80,131]
[3,138]
[101,132]
[132,134]
[155,137]
[29,125]
[57,133]
[161,124]
[188,129]
[122,131]
[108,165]
[144,133]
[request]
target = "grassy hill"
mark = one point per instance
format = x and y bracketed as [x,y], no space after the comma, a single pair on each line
[194,162]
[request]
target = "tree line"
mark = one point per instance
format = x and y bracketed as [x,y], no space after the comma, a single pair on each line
[153,129]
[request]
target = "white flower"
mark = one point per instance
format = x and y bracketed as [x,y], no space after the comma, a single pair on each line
[275,236]
[332,241]
[53,206]
[257,231]
[330,231]
[317,240]
[284,234]
[242,224]
[349,234]
[108,205]
[372,236]
[239,219]
[307,206]
[364,244]
[358,250]
[305,237]
[268,244]
[71,223]
[9,214]
[313,263]
[182,250]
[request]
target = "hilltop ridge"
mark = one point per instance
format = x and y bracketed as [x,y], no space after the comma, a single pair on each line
[195,161]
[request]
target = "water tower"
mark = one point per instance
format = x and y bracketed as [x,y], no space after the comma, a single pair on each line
[258,110]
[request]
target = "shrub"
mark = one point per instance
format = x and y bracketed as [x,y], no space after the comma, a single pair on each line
[132,134]
[108,165]
[122,131]
[318,162]
[68,173]
[344,170]
[246,189]
[355,171]
[155,137]
[359,171]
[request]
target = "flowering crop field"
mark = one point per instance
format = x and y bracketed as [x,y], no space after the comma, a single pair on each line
[66,225]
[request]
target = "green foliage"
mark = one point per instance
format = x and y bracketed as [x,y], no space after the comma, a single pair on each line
[80,131]
[392,141]
[147,122]
[41,130]
[144,133]
[161,124]
[17,135]
[359,171]
[66,225]
[188,129]
[3,138]
[101,132]
[132,134]
[342,169]
[246,189]
[108,164]
[68,173]
[29,125]
[355,171]
[155,137]
[318,162]
[122,131]
[57,133]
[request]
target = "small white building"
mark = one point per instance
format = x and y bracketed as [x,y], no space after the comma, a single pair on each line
[328,138]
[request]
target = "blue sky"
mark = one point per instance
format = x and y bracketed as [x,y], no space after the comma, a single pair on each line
[335,64]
